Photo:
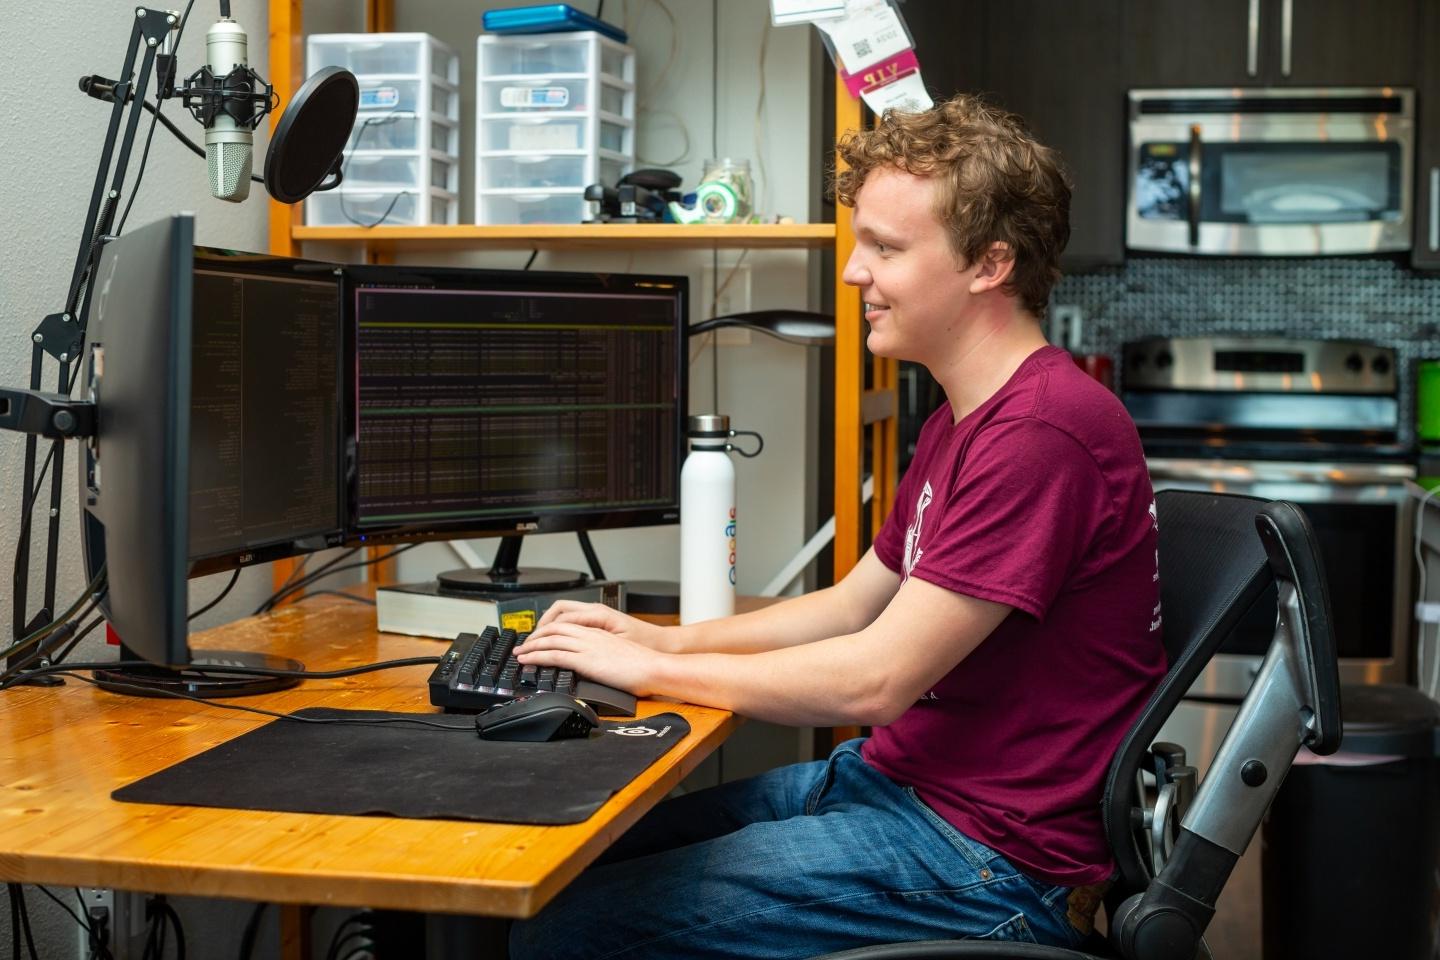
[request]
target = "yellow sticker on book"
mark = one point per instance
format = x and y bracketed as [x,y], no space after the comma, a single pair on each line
[521,621]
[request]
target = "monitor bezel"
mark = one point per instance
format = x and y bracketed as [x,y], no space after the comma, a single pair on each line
[355,277]
[322,539]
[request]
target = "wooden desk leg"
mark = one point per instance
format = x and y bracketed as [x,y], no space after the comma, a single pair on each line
[295,931]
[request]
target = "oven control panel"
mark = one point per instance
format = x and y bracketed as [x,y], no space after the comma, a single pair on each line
[1260,365]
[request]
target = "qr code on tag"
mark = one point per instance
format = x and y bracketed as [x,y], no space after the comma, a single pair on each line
[862,48]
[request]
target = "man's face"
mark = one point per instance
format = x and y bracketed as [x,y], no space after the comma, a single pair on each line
[915,289]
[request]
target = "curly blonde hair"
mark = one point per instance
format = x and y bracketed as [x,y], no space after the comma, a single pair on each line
[996,183]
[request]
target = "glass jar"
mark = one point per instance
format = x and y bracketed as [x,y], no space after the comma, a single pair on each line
[717,205]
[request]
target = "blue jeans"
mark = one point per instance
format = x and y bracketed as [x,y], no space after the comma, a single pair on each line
[800,861]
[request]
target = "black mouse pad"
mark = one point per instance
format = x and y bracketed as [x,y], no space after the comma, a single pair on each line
[410,770]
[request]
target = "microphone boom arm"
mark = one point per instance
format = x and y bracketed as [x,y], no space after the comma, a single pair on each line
[62,335]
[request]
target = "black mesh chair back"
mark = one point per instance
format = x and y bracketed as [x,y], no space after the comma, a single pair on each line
[1213,568]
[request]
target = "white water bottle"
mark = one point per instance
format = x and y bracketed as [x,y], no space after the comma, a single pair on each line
[707,522]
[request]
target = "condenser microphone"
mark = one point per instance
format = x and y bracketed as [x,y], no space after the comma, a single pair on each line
[229,144]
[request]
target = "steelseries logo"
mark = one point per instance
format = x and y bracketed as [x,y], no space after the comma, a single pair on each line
[638,731]
[529,525]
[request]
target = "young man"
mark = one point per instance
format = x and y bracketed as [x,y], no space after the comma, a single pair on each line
[1000,637]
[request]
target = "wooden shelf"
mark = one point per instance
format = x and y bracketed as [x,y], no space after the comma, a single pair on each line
[670,236]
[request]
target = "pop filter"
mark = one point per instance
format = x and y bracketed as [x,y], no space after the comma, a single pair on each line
[311,135]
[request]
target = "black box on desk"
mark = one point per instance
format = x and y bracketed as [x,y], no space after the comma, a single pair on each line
[425,610]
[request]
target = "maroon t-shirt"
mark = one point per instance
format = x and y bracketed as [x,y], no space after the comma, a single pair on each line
[1039,498]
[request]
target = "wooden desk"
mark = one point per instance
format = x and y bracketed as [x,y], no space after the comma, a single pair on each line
[63,749]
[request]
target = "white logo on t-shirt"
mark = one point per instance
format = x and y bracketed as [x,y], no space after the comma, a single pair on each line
[1155,525]
[912,532]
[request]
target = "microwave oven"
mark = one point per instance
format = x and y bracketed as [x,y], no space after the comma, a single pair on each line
[1271,172]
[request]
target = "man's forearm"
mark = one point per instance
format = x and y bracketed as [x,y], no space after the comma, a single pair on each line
[796,620]
[814,685]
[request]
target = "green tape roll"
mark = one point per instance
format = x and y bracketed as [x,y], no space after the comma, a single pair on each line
[718,201]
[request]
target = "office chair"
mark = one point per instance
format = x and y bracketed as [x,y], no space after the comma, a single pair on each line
[1175,852]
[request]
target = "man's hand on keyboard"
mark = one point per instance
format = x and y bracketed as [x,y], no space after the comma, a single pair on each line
[609,619]
[595,653]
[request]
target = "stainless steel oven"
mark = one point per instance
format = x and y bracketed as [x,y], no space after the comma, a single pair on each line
[1314,422]
[1283,171]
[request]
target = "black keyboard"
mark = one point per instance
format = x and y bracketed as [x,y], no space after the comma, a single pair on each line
[479,671]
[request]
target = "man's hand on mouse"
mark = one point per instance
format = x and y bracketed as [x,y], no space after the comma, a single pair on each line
[594,652]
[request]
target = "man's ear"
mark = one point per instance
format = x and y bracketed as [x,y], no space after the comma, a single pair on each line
[995,268]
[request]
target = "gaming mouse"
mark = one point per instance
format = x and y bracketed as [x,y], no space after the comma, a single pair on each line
[537,717]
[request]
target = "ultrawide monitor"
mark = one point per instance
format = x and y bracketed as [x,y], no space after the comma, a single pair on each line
[501,402]
[216,377]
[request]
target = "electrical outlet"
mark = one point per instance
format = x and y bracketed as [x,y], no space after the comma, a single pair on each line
[99,908]
[734,297]
[1066,322]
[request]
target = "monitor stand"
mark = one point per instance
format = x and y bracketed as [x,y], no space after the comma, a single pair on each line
[190,681]
[506,576]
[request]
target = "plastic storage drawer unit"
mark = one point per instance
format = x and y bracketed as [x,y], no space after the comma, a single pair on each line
[556,113]
[402,159]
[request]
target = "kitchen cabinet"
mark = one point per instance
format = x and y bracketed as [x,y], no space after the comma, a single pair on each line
[1220,43]
[1057,64]
[1189,43]
[1426,253]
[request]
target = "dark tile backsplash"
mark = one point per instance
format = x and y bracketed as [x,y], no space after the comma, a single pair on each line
[1376,300]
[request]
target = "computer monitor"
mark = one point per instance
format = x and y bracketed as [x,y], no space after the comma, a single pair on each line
[216,377]
[489,402]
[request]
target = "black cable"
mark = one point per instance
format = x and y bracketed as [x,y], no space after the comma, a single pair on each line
[600,10]
[317,575]
[533,254]
[363,933]
[252,931]
[42,647]
[139,173]
[345,165]
[27,507]
[153,929]
[97,946]
[296,570]
[30,640]
[285,587]
[353,721]
[169,913]
[14,921]
[18,892]
[84,632]
[237,669]
[211,605]
[155,116]
[360,919]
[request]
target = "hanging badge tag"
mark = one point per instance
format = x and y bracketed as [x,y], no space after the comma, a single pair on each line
[906,94]
[869,33]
